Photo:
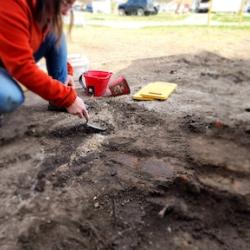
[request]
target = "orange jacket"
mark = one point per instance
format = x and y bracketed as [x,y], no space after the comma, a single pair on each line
[20,37]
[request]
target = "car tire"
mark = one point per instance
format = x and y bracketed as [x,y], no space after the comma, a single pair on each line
[121,12]
[140,12]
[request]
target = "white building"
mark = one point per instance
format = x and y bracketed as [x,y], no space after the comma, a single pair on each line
[226,5]
[218,5]
[102,6]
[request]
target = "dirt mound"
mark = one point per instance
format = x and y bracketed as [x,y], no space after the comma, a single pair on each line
[173,173]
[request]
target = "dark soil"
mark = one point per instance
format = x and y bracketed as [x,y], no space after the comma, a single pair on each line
[169,174]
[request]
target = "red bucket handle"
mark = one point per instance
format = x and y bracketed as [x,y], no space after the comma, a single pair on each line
[89,90]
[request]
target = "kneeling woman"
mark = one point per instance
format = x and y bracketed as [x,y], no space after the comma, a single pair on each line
[29,31]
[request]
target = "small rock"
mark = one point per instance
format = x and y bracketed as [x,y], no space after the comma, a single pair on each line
[166,209]
[182,179]
[113,173]
[218,124]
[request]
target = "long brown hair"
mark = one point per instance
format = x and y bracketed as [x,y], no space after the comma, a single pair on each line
[49,12]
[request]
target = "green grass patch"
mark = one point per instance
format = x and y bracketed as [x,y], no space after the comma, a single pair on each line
[230,18]
[190,28]
[115,17]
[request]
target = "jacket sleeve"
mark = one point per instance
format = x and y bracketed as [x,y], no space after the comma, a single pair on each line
[17,55]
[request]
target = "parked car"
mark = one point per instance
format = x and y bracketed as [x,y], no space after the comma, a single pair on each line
[201,6]
[138,7]
[248,8]
[89,8]
[78,7]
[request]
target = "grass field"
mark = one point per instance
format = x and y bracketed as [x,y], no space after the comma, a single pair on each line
[108,47]
[230,18]
[116,17]
[167,17]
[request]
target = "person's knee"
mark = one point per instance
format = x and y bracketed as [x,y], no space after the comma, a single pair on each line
[10,103]
[52,40]
[11,95]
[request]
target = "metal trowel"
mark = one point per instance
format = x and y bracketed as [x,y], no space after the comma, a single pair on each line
[93,128]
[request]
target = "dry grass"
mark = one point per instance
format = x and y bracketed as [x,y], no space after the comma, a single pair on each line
[110,47]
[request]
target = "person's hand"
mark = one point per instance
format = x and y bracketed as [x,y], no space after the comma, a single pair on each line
[70,81]
[78,107]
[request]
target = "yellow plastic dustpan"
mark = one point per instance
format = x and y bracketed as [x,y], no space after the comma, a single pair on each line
[155,91]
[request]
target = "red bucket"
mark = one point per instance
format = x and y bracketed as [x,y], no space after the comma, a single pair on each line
[96,82]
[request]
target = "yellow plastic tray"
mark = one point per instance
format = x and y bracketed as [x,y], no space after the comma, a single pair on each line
[155,91]
[138,96]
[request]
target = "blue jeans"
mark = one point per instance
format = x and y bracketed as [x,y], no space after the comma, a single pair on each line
[11,95]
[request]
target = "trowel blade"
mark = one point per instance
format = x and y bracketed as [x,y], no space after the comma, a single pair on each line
[94,128]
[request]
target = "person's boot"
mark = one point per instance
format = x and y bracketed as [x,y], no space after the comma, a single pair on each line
[52,107]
